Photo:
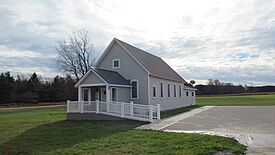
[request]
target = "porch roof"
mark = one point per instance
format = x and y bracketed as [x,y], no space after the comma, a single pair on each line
[111,77]
[107,76]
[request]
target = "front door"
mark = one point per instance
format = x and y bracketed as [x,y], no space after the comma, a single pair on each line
[85,94]
[103,94]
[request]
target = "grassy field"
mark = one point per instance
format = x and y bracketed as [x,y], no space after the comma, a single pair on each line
[45,131]
[248,100]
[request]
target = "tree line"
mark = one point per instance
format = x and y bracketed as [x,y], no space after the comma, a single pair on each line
[215,87]
[34,90]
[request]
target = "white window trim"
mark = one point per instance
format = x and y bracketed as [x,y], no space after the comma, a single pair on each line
[175,90]
[135,80]
[154,97]
[161,82]
[112,94]
[169,92]
[114,63]
[180,91]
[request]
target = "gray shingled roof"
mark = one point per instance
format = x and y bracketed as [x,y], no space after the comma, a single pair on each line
[155,65]
[112,77]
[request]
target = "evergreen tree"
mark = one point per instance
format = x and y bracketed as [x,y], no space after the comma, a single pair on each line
[6,87]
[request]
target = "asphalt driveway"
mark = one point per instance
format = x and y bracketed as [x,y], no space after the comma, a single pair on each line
[253,126]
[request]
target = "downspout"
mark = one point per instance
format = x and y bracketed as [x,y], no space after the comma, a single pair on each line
[149,92]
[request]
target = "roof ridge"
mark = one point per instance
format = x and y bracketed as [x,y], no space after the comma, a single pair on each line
[154,64]
[138,48]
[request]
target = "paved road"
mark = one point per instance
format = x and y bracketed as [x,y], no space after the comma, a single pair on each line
[253,126]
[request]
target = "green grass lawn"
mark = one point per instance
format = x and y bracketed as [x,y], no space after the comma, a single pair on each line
[248,100]
[45,131]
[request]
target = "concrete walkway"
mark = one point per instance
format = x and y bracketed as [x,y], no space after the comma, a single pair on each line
[160,125]
[253,126]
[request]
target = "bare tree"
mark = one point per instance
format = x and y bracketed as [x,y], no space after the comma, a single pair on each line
[217,82]
[75,54]
[210,82]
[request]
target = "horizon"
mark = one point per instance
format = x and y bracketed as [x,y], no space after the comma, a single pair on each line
[232,41]
[42,78]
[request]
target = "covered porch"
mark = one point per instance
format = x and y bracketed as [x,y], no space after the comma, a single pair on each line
[108,100]
[104,93]
[103,85]
[108,93]
[99,92]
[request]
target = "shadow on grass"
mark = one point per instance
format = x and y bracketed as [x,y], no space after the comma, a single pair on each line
[169,113]
[62,134]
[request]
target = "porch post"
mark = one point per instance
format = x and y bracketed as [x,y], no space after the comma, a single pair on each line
[131,108]
[108,98]
[97,106]
[81,106]
[158,111]
[107,93]
[68,106]
[79,93]
[151,113]
[122,109]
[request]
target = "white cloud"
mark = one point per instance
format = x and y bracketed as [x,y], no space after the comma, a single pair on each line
[9,53]
[45,72]
[201,39]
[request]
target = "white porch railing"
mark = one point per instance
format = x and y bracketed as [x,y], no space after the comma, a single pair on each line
[119,109]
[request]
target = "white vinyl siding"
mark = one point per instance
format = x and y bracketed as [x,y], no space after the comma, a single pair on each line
[169,101]
[175,91]
[179,90]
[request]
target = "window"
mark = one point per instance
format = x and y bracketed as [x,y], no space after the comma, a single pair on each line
[154,92]
[175,91]
[134,91]
[114,94]
[161,89]
[179,91]
[116,63]
[168,90]
[187,93]
[192,93]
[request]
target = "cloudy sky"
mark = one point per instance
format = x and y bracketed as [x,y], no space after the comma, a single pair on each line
[230,40]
